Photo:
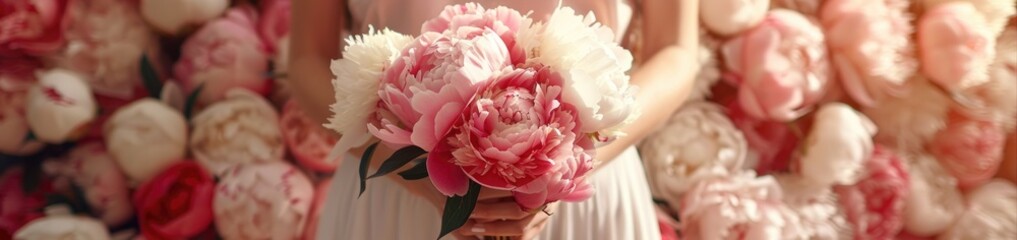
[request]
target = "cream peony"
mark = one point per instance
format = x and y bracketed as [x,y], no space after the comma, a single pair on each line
[104,42]
[174,16]
[990,213]
[263,201]
[243,128]
[814,209]
[697,138]
[64,227]
[837,147]
[728,17]
[60,107]
[934,202]
[593,65]
[145,137]
[356,83]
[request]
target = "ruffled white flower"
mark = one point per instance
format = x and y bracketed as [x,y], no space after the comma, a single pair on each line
[996,12]
[698,138]
[837,147]
[60,106]
[815,209]
[934,202]
[593,66]
[242,129]
[174,16]
[358,76]
[709,67]
[909,122]
[145,138]
[990,214]
[105,40]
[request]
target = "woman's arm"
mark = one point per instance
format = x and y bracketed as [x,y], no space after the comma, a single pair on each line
[670,44]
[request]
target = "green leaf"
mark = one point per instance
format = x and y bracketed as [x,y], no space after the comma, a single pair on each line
[29,137]
[458,210]
[418,171]
[398,159]
[31,177]
[80,204]
[192,100]
[365,162]
[150,78]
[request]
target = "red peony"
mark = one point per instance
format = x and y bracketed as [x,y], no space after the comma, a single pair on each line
[177,203]
[33,27]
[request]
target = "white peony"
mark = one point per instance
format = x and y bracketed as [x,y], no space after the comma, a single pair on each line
[593,66]
[990,213]
[728,17]
[698,138]
[934,202]
[356,83]
[815,209]
[837,147]
[145,138]
[63,226]
[174,16]
[242,129]
[60,107]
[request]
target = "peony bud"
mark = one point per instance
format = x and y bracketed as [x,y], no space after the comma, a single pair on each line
[837,147]
[727,17]
[173,16]
[224,54]
[60,106]
[145,137]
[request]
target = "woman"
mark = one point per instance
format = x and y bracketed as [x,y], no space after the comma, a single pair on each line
[393,208]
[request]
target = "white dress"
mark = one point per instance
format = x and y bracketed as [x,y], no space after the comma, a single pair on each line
[621,207]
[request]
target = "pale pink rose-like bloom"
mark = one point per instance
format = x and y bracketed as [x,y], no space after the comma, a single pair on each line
[909,122]
[64,226]
[871,46]
[471,19]
[813,209]
[837,146]
[996,12]
[263,201]
[782,64]
[432,82]
[990,213]
[739,206]
[995,100]
[14,125]
[934,202]
[593,65]
[519,136]
[105,187]
[874,205]
[728,17]
[309,143]
[105,41]
[698,137]
[224,54]
[969,149]
[956,47]
[60,107]
[33,27]
[274,23]
[175,16]
[771,144]
[146,137]
[242,129]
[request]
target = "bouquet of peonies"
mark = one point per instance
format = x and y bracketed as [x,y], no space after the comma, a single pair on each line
[844,119]
[491,97]
[126,119]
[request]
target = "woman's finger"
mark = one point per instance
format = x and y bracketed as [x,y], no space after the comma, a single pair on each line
[498,211]
[534,231]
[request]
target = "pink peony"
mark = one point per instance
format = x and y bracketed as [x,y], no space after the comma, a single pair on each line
[739,206]
[307,141]
[771,144]
[518,136]
[104,184]
[33,27]
[177,203]
[956,47]
[430,84]
[222,55]
[18,207]
[471,20]
[875,203]
[871,46]
[274,23]
[969,149]
[783,66]
[728,17]
[263,201]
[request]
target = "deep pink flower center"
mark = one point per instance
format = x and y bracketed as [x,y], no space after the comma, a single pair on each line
[515,106]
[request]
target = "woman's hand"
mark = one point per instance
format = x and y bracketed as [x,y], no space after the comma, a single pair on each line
[497,214]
